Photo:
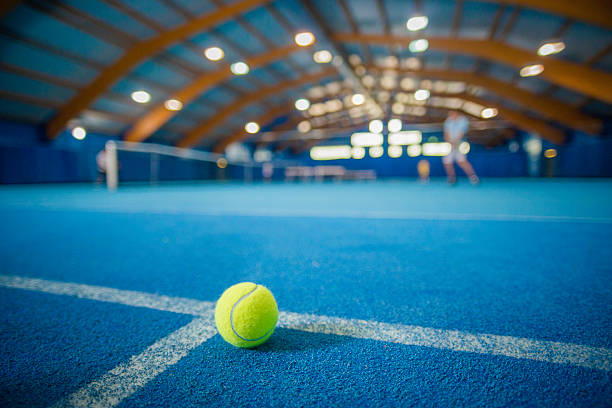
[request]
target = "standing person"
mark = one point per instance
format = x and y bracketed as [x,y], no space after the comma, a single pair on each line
[101,166]
[455,128]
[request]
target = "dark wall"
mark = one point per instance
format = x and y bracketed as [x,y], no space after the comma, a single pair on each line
[26,158]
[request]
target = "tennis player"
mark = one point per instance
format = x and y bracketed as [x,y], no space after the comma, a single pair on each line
[455,128]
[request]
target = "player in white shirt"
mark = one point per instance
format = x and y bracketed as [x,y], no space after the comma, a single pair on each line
[455,128]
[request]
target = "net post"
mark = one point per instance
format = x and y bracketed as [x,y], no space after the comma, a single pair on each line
[112,169]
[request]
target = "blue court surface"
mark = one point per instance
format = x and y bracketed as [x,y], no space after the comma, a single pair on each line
[391,293]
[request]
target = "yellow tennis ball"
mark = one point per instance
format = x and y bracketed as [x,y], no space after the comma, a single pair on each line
[246,314]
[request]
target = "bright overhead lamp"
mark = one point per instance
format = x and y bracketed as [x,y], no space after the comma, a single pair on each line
[419,45]
[358,152]
[488,113]
[141,96]
[532,70]
[304,39]
[302,104]
[79,133]
[550,153]
[421,95]
[407,137]
[358,99]
[330,152]
[239,68]
[214,53]
[304,126]
[394,125]
[322,57]
[417,23]
[251,127]
[414,150]
[365,139]
[395,151]
[376,126]
[376,151]
[436,149]
[173,105]
[551,48]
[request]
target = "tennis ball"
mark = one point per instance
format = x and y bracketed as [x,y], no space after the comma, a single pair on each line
[246,314]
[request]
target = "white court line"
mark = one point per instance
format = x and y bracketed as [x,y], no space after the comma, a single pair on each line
[344,214]
[516,347]
[127,378]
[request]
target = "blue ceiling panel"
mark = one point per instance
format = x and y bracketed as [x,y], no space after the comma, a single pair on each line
[583,41]
[533,84]
[605,64]
[532,28]
[127,107]
[366,15]
[240,36]
[435,59]
[32,87]
[440,14]
[18,54]
[27,22]
[217,97]
[567,96]
[462,62]
[160,73]
[243,83]
[197,8]
[156,10]
[398,12]
[130,84]
[476,19]
[502,72]
[298,16]
[269,26]
[264,76]
[195,58]
[598,108]
[18,110]
[333,15]
[114,17]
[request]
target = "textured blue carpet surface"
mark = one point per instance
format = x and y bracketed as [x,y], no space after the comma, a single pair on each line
[519,258]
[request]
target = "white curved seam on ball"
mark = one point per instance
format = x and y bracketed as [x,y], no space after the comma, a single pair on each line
[232,318]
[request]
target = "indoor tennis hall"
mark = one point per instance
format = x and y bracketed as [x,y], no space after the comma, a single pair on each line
[423,186]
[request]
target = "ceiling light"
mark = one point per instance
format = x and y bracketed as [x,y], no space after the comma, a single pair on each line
[239,68]
[488,113]
[414,150]
[365,139]
[376,126]
[322,57]
[358,152]
[421,94]
[173,105]
[304,126]
[394,125]
[395,151]
[407,137]
[358,99]
[550,48]
[214,53]
[251,127]
[375,151]
[419,45]
[304,39]
[550,153]
[79,133]
[141,96]
[330,152]
[302,104]
[532,70]
[417,23]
